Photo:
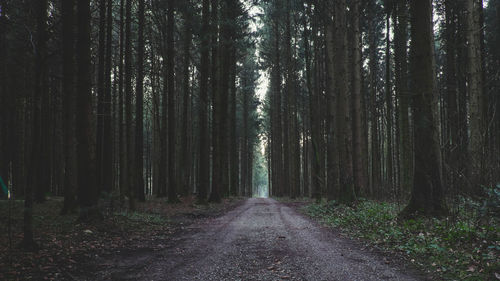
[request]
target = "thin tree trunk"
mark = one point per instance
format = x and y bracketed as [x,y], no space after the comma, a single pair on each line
[388,102]
[128,105]
[107,158]
[332,140]
[121,101]
[186,154]
[100,95]
[216,155]
[204,144]
[172,189]
[359,142]
[402,91]
[139,111]
[475,93]
[68,50]
[234,162]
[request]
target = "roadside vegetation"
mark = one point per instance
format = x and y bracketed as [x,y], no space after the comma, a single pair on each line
[66,248]
[462,246]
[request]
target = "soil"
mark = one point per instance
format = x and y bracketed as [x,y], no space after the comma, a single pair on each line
[261,239]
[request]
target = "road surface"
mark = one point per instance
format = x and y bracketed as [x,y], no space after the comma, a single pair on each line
[262,239]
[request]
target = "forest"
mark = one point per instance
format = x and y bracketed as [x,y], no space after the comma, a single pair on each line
[128,120]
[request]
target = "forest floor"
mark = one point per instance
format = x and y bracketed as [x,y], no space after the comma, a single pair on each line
[260,239]
[462,246]
[68,250]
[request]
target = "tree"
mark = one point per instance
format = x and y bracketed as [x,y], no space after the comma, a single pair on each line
[28,243]
[204,166]
[185,158]
[216,64]
[107,165]
[170,67]
[100,95]
[427,196]
[373,35]
[121,102]
[475,92]
[340,175]
[277,169]
[359,169]
[129,168]
[388,95]
[315,117]
[87,187]
[139,92]
[402,91]
[68,49]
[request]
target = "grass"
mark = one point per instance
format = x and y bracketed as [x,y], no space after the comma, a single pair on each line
[466,247]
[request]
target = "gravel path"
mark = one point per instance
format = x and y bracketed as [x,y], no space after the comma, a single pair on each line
[260,240]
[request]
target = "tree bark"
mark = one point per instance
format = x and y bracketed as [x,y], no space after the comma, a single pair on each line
[402,91]
[204,144]
[388,99]
[359,169]
[172,189]
[234,161]
[475,93]
[87,188]
[139,111]
[100,95]
[186,154]
[128,106]
[68,51]
[216,155]
[343,134]
[427,197]
[107,156]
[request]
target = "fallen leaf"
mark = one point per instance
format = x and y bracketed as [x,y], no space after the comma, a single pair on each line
[471,268]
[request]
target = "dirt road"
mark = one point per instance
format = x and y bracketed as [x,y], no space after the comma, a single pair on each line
[260,240]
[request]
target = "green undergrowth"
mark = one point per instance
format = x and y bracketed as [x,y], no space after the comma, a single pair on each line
[465,247]
[286,199]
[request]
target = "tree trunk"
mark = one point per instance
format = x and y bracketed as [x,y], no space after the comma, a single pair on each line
[359,169]
[139,94]
[388,101]
[234,162]
[475,93]
[121,104]
[427,197]
[186,154]
[128,106]
[100,95]
[375,147]
[88,193]
[216,155]
[345,191]
[28,244]
[172,189]
[204,166]
[107,154]
[402,91]
[68,51]
[276,120]
[332,142]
